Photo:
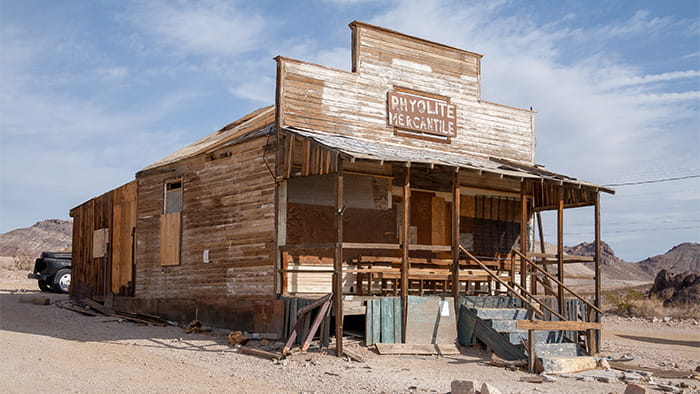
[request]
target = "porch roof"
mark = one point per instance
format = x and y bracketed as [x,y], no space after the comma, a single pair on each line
[356,148]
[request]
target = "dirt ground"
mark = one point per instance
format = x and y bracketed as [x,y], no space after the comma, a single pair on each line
[47,348]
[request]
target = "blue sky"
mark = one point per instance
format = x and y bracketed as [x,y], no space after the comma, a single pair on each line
[93,91]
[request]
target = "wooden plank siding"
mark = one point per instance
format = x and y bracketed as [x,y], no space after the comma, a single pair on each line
[109,215]
[318,98]
[227,209]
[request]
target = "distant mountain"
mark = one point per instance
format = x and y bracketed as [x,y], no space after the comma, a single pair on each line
[50,235]
[681,258]
[612,266]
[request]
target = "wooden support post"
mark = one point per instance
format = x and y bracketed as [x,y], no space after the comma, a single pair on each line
[455,237]
[284,264]
[598,256]
[560,249]
[547,291]
[338,275]
[523,234]
[404,247]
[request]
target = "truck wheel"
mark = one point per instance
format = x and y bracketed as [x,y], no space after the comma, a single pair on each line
[61,281]
[44,285]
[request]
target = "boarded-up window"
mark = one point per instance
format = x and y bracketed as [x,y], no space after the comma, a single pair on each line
[170,238]
[173,197]
[100,238]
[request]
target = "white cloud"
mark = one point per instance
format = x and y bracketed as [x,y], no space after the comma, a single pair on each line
[211,28]
[113,72]
[631,80]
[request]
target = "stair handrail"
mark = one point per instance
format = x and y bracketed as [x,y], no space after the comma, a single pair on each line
[552,277]
[547,307]
[492,274]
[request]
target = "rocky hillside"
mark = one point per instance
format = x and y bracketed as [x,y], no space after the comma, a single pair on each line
[50,234]
[612,266]
[681,258]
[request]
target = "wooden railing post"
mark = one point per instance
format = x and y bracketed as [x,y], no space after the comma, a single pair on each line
[523,233]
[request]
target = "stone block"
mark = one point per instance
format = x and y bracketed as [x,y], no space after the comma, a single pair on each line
[633,388]
[488,389]
[463,387]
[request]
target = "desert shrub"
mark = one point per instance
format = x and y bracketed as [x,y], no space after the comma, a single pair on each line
[623,302]
[631,302]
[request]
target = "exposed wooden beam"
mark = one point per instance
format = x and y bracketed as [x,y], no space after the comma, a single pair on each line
[523,233]
[338,275]
[455,237]
[404,247]
[598,256]
[560,249]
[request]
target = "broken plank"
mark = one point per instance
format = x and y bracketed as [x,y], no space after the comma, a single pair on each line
[96,306]
[261,353]
[76,309]
[354,355]
[416,349]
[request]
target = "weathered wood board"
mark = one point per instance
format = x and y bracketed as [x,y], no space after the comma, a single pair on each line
[383,320]
[319,98]
[430,320]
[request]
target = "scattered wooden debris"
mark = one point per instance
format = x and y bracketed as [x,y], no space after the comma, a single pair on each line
[69,305]
[237,338]
[354,355]
[194,326]
[323,304]
[511,364]
[35,300]
[668,388]
[261,353]
[417,349]
[94,305]
[531,379]
[661,373]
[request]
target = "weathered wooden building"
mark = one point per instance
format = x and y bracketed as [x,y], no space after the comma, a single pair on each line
[392,180]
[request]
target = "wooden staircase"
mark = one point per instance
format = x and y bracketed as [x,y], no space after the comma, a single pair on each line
[522,325]
[497,328]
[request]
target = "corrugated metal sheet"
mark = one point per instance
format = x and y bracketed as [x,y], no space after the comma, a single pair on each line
[356,148]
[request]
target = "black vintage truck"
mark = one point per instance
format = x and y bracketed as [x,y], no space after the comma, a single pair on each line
[52,270]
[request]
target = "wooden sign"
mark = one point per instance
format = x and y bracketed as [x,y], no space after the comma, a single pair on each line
[422,114]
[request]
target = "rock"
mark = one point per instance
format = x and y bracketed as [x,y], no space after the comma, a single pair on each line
[463,387]
[667,318]
[237,338]
[680,289]
[586,378]
[697,369]
[488,389]
[283,362]
[655,320]
[548,379]
[603,363]
[605,379]
[634,388]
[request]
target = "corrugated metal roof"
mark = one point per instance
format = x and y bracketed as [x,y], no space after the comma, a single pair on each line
[388,152]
